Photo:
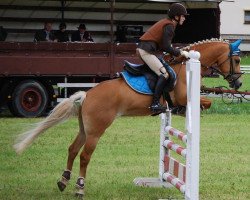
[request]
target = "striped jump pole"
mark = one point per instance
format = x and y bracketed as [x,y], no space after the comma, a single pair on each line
[172,173]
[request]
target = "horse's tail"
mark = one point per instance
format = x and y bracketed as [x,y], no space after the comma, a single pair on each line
[64,110]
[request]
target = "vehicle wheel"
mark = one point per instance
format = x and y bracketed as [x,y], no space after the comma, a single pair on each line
[29,99]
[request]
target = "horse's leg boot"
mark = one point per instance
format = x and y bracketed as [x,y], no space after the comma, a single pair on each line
[80,187]
[64,180]
[156,107]
[179,110]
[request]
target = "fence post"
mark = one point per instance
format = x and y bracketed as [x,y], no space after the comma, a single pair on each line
[193,126]
[172,172]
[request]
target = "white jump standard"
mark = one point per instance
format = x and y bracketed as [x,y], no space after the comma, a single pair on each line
[185,177]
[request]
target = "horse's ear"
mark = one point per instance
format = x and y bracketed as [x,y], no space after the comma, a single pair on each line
[235,47]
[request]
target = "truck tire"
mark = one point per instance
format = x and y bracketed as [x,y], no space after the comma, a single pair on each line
[29,99]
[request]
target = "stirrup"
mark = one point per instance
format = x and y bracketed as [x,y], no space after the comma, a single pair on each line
[158,108]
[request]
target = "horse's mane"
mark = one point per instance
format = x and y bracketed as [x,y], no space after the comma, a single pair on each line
[180,59]
[187,48]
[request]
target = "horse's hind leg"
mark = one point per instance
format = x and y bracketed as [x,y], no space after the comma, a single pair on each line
[85,156]
[73,150]
[95,126]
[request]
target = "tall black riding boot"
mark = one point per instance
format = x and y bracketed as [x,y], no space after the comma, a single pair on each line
[156,107]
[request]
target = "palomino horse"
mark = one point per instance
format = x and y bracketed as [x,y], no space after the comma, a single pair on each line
[102,104]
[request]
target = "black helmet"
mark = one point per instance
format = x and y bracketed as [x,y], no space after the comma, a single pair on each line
[177,9]
[82,26]
[62,25]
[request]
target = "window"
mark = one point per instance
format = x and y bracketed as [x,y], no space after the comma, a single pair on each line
[247,17]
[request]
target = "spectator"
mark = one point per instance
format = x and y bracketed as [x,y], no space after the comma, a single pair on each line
[3,34]
[62,35]
[81,35]
[46,34]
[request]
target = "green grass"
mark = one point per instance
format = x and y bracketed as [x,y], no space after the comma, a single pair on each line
[129,149]
[245,60]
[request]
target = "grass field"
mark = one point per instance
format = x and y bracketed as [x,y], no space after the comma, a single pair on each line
[245,60]
[129,149]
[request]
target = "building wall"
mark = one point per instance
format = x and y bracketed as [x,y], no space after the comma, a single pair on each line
[232,17]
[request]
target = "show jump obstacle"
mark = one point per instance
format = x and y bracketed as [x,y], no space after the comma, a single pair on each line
[185,177]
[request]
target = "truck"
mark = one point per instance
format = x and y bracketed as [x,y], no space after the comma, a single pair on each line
[35,76]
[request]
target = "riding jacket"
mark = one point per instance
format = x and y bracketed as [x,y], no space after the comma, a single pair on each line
[159,37]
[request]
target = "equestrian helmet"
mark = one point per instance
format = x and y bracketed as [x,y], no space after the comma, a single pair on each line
[177,9]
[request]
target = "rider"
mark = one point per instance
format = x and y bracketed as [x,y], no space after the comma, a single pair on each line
[159,37]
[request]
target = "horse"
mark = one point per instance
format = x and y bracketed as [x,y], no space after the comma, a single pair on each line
[97,108]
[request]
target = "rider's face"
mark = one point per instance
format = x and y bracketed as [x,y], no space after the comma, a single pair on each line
[182,19]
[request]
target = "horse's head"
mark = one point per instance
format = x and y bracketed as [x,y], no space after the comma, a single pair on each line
[233,64]
[223,58]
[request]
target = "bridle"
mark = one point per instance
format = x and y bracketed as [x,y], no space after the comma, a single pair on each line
[232,76]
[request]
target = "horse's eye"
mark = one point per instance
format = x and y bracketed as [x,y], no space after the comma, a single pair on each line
[237,62]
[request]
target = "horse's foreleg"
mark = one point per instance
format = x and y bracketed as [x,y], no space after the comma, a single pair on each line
[85,156]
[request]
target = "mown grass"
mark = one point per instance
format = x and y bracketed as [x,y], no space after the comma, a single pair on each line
[129,149]
[245,60]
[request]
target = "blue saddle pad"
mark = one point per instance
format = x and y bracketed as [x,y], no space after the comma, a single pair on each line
[137,83]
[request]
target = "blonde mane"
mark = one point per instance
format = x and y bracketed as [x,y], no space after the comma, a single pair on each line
[187,48]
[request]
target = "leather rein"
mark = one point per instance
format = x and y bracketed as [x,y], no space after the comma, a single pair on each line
[231,77]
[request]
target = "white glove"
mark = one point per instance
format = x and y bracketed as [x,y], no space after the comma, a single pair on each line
[185,54]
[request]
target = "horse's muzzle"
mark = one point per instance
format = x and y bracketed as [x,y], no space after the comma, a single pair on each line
[235,84]
[234,80]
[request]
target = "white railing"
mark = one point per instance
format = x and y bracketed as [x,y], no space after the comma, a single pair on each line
[245,69]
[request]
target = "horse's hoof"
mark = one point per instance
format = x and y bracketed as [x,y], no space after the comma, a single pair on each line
[61,185]
[79,195]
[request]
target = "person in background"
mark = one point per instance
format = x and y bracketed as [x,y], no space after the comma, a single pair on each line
[159,37]
[3,34]
[46,34]
[81,35]
[62,35]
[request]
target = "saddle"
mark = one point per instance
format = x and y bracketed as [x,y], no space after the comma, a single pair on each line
[151,77]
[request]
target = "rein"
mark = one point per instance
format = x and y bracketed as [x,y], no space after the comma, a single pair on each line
[216,68]
[231,76]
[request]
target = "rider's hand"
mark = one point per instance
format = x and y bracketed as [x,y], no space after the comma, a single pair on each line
[185,54]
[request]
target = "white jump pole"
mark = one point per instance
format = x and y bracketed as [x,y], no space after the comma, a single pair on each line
[193,126]
[191,186]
